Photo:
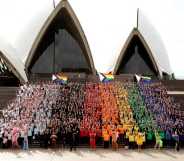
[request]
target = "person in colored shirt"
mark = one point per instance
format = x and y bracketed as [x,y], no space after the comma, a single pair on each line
[168,137]
[139,140]
[176,139]
[92,136]
[53,139]
[30,133]
[106,138]
[115,136]
[15,135]
[159,142]
[25,141]
[131,140]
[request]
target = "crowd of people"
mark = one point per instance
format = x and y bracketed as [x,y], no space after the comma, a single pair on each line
[143,117]
[90,125]
[168,117]
[130,129]
[163,109]
[28,115]
[110,115]
[120,113]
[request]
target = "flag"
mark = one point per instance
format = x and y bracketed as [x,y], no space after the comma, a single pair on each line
[106,77]
[101,76]
[54,77]
[60,78]
[146,78]
[143,78]
[138,78]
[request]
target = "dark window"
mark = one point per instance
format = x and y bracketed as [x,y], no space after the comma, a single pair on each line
[60,49]
[7,78]
[136,60]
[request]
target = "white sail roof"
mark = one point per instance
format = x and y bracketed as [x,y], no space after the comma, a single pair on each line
[155,43]
[9,54]
[106,25]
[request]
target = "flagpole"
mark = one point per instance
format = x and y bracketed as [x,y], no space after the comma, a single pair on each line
[54,55]
[54,4]
[137,18]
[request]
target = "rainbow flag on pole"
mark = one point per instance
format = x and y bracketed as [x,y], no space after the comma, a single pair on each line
[142,78]
[106,77]
[60,78]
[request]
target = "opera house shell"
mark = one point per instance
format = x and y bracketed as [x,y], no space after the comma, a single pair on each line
[58,43]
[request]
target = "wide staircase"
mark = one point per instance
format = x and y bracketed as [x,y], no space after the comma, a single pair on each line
[174,85]
[125,78]
[176,90]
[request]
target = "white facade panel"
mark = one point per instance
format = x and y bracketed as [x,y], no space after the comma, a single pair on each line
[154,41]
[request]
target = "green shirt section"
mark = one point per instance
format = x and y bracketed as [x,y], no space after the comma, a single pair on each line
[142,116]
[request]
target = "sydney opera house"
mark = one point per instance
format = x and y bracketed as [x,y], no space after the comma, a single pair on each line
[59,44]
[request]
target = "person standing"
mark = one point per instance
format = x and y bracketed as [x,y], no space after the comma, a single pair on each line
[149,137]
[159,142]
[46,138]
[131,140]
[53,139]
[157,139]
[1,138]
[168,138]
[30,135]
[15,135]
[62,136]
[5,140]
[176,139]
[9,140]
[21,139]
[35,131]
[25,141]
[106,138]
[92,135]
[139,141]
[115,135]
[74,138]
[70,137]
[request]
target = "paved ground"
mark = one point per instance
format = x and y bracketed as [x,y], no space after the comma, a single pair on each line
[88,155]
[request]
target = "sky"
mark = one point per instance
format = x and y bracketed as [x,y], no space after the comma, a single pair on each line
[106,24]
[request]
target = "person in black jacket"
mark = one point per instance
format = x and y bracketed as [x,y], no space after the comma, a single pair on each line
[70,137]
[46,138]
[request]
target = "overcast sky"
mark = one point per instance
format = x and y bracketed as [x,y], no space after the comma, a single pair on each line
[106,24]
